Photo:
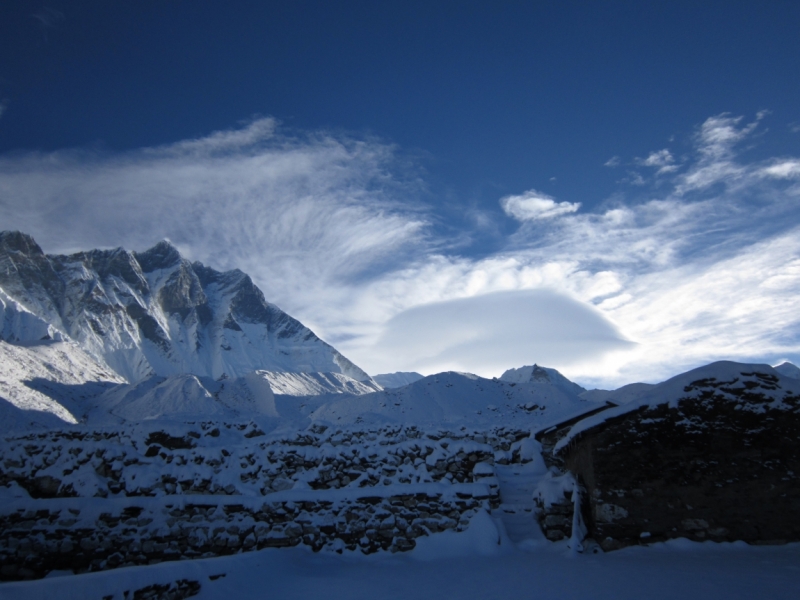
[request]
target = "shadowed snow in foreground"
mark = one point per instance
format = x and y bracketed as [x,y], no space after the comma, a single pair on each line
[476,567]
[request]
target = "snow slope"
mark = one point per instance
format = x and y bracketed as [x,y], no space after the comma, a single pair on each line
[315,384]
[48,384]
[186,398]
[455,398]
[155,313]
[621,395]
[17,324]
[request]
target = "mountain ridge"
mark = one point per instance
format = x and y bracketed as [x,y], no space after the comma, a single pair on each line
[156,313]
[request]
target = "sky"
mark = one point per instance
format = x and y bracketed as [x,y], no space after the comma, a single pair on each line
[607,188]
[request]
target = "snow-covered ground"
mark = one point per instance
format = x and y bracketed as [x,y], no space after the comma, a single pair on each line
[465,566]
[502,554]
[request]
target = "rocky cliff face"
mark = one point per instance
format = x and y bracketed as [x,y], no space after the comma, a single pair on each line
[155,313]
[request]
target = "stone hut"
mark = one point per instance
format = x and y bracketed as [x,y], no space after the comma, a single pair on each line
[713,454]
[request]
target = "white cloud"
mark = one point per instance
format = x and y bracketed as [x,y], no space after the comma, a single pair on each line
[614,161]
[658,159]
[488,332]
[784,169]
[300,213]
[662,160]
[633,178]
[706,266]
[249,137]
[533,205]
[718,135]
[715,142]
[688,280]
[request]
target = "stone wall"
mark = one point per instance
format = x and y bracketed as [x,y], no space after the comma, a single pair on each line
[237,461]
[103,499]
[555,518]
[176,590]
[34,542]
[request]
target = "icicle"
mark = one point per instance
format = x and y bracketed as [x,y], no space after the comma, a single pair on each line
[578,526]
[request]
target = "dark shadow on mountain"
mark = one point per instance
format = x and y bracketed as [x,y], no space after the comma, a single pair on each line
[14,419]
[76,398]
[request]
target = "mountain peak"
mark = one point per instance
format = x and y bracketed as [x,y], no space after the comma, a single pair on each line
[16,241]
[152,312]
[536,374]
[787,369]
[160,256]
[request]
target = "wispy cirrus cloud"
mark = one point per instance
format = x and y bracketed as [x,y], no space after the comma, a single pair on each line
[686,276]
[661,160]
[301,213]
[715,143]
[696,264]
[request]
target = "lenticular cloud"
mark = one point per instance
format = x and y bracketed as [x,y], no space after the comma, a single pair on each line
[487,333]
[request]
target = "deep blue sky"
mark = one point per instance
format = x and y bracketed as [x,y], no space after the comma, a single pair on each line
[439,193]
[500,96]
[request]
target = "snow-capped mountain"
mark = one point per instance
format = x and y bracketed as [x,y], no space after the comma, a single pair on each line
[19,325]
[621,395]
[396,380]
[787,369]
[542,375]
[155,313]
